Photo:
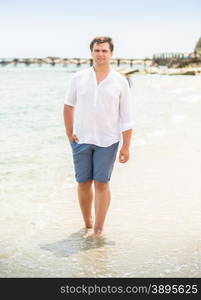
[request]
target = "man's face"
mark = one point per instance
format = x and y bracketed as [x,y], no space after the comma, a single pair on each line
[101,53]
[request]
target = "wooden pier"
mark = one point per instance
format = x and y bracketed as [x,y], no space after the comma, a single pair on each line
[67,61]
[176,63]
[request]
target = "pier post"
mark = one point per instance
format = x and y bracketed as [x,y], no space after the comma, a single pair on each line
[65,62]
[52,62]
[144,64]
[78,62]
[27,62]
[15,61]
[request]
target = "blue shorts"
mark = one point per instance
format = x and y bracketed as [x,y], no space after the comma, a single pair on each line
[93,162]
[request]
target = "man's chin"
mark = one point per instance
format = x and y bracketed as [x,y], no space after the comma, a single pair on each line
[101,62]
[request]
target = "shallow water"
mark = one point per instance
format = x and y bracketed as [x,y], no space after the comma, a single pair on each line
[153,227]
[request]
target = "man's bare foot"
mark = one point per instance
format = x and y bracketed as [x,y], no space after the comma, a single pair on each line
[88,232]
[97,233]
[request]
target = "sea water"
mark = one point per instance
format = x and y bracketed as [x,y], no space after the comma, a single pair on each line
[153,224]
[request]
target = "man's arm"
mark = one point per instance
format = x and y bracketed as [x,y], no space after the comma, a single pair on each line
[68,121]
[69,107]
[126,122]
[127,137]
[124,154]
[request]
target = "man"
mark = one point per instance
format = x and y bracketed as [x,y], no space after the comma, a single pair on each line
[96,113]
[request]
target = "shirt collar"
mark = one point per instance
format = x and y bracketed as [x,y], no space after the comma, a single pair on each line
[105,79]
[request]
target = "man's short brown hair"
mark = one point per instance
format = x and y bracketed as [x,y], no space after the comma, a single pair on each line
[101,40]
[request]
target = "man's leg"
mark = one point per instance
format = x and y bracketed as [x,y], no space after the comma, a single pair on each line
[85,196]
[102,202]
[103,162]
[83,165]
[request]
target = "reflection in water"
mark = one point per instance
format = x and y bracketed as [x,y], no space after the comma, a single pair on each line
[76,243]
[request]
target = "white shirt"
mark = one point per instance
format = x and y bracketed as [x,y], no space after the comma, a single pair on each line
[102,111]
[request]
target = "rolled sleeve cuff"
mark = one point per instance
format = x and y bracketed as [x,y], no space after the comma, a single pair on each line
[126,126]
[69,103]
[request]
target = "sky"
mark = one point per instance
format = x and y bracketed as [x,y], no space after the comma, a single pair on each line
[62,28]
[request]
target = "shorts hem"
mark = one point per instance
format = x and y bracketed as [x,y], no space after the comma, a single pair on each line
[83,180]
[102,180]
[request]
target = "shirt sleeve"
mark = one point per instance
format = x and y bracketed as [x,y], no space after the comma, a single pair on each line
[70,97]
[126,119]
